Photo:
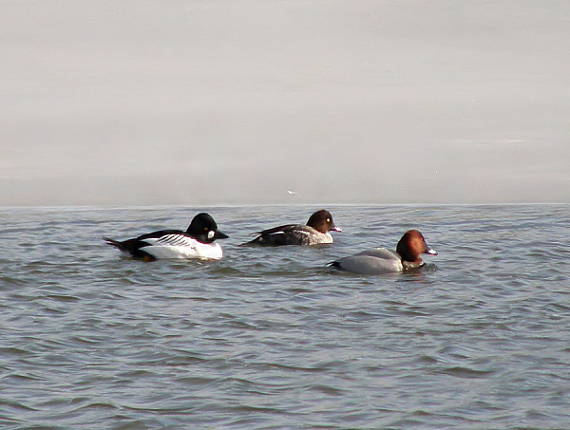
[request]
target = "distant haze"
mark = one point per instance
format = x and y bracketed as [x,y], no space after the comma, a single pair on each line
[240,101]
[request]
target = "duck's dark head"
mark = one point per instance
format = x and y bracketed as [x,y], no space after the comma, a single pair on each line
[204,228]
[412,245]
[322,221]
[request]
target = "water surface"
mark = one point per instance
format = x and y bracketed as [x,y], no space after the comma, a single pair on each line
[269,338]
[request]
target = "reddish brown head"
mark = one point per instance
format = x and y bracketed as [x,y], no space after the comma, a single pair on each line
[412,245]
[322,221]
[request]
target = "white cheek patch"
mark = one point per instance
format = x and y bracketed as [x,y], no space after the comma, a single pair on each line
[211,234]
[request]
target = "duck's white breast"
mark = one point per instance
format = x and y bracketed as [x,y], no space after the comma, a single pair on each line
[317,238]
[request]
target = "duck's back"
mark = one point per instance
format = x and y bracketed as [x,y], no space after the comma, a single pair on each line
[371,262]
[291,234]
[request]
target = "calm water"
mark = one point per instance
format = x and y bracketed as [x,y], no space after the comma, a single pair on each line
[271,339]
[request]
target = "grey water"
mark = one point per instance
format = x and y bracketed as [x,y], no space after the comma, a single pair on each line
[270,338]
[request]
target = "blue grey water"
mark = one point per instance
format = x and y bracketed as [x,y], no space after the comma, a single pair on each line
[269,338]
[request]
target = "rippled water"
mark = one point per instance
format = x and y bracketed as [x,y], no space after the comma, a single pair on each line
[271,339]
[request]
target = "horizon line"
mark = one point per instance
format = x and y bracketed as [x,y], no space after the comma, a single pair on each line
[112,206]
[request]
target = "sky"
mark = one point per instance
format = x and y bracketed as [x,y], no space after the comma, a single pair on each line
[139,102]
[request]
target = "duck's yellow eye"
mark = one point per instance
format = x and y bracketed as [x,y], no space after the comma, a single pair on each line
[328,220]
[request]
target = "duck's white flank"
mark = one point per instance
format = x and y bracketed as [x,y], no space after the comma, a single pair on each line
[181,246]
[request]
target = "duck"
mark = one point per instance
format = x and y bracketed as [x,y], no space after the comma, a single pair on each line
[196,242]
[315,232]
[378,261]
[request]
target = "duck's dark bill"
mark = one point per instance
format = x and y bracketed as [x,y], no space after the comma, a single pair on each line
[220,235]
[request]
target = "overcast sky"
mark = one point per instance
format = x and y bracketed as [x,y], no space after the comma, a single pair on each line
[238,101]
